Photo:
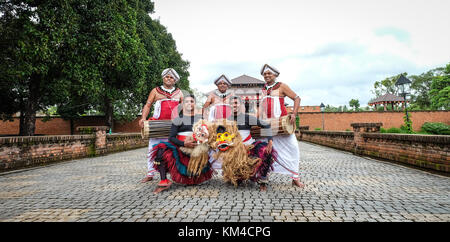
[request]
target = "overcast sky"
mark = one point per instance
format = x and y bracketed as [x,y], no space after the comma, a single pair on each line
[327,51]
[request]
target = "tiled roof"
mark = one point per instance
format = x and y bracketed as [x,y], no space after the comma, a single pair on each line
[388,98]
[244,79]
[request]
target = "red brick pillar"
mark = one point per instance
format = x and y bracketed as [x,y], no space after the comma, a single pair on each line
[358,129]
[100,139]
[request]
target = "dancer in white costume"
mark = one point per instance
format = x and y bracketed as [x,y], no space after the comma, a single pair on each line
[216,107]
[165,99]
[217,104]
[272,106]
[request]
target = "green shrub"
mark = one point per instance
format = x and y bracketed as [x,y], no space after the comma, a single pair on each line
[436,128]
[317,129]
[394,130]
[383,130]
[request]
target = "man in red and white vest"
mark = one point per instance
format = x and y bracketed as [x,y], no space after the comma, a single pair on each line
[165,99]
[272,106]
[218,100]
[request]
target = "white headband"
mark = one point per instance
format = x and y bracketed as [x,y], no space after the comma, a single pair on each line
[270,69]
[172,72]
[222,78]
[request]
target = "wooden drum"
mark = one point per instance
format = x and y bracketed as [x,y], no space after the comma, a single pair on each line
[279,126]
[156,129]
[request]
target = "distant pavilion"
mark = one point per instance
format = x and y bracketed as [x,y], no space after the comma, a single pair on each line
[388,99]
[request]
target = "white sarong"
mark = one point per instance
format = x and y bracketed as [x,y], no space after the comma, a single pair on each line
[288,155]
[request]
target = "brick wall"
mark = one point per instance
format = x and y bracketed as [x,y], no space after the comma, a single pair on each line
[337,139]
[333,121]
[25,151]
[121,142]
[59,126]
[18,152]
[426,151]
[338,121]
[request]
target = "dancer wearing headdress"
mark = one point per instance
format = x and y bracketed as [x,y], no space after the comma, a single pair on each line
[165,99]
[272,106]
[218,100]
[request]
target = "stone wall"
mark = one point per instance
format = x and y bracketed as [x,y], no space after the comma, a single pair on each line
[425,151]
[20,151]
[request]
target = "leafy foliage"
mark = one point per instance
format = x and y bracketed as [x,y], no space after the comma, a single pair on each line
[436,128]
[421,86]
[440,90]
[354,103]
[386,86]
[81,55]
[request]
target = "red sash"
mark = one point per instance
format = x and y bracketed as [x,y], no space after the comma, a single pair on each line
[222,111]
[268,107]
[169,110]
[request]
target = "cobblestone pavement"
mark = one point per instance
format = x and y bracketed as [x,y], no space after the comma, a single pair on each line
[339,187]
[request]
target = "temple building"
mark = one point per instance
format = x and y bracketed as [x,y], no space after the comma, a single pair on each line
[249,89]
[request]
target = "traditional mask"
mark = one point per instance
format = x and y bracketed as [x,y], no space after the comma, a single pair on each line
[201,133]
[224,139]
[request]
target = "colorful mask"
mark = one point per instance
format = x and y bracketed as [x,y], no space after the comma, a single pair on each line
[201,133]
[224,139]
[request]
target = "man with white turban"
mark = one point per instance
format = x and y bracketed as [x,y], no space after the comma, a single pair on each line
[165,99]
[218,100]
[272,106]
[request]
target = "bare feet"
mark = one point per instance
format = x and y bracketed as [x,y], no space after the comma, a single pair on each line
[159,189]
[297,183]
[262,188]
[163,185]
[147,179]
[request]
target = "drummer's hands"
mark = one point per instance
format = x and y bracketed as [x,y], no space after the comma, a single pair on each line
[292,118]
[141,123]
[190,143]
[269,147]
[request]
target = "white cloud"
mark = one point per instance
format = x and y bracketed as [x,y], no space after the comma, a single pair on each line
[327,51]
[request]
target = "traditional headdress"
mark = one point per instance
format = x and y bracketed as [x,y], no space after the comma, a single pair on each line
[223,78]
[172,72]
[266,67]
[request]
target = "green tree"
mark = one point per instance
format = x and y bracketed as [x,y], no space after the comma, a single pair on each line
[354,103]
[32,33]
[420,89]
[162,51]
[440,90]
[386,86]
[330,108]
[344,108]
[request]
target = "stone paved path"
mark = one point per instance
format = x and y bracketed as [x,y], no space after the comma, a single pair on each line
[339,187]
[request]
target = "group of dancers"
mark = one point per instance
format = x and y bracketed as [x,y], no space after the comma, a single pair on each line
[220,138]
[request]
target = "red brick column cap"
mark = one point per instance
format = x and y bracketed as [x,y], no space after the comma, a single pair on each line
[366,125]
